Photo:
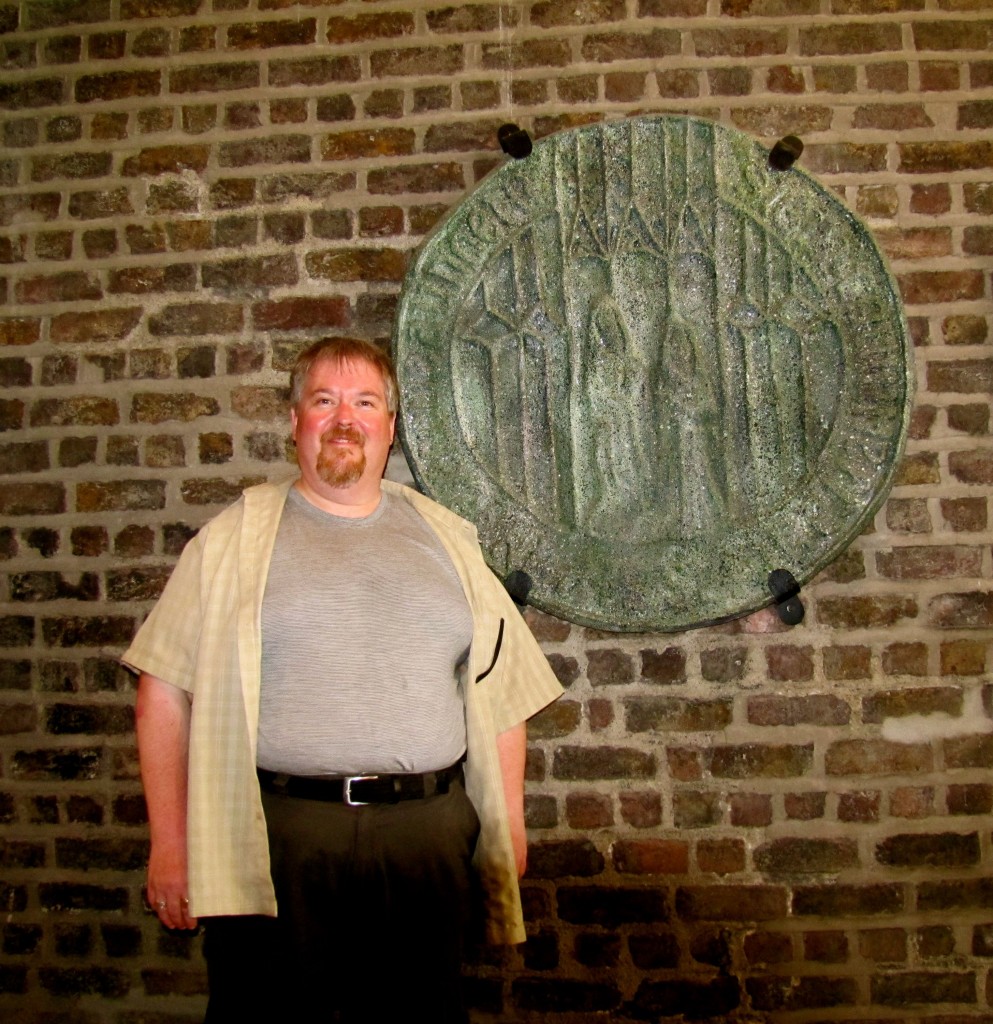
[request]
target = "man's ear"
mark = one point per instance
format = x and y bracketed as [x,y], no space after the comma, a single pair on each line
[393,429]
[293,422]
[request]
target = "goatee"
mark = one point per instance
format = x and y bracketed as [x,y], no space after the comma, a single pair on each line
[337,466]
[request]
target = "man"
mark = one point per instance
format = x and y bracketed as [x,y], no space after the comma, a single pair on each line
[330,659]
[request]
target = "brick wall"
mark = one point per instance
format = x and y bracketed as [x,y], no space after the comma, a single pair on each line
[742,822]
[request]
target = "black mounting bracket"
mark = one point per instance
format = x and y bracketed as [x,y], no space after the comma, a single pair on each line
[785,153]
[786,592]
[514,141]
[518,584]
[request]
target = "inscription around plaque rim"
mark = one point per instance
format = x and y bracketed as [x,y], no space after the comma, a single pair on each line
[651,370]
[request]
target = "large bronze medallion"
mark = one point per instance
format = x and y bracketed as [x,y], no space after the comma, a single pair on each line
[652,370]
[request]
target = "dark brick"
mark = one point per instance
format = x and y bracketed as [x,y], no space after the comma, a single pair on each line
[865,612]
[32,499]
[79,981]
[120,495]
[970,610]
[117,85]
[771,994]
[563,858]
[101,854]
[941,850]
[915,987]
[67,764]
[859,806]
[357,264]
[611,906]
[750,760]
[918,701]
[692,1000]
[651,856]
[215,78]
[676,714]
[731,903]
[786,857]
[166,160]
[602,763]
[548,995]
[605,47]
[833,900]
[692,809]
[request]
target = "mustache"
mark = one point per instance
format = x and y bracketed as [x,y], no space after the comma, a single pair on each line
[343,434]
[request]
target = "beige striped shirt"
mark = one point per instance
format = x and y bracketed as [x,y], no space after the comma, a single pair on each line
[204,635]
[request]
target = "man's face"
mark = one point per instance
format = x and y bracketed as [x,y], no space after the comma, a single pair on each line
[342,427]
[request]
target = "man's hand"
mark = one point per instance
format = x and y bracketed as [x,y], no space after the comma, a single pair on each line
[512,747]
[163,725]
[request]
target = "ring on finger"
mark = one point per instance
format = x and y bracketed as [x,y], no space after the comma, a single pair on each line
[160,904]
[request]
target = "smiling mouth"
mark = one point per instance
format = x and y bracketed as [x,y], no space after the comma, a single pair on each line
[344,437]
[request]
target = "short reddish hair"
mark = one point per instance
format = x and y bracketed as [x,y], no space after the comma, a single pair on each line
[344,350]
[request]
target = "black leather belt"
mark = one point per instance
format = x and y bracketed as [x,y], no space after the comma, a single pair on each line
[358,790]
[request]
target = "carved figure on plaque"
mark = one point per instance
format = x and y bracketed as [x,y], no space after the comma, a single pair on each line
[652,369]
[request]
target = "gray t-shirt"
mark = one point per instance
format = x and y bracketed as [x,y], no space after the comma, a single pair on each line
[364,625]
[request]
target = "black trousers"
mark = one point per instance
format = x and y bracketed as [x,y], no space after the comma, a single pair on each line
[373,904]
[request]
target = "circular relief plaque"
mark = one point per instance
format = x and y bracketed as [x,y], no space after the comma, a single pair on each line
[652,370]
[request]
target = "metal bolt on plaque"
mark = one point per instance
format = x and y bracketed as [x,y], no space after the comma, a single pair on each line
[654,368]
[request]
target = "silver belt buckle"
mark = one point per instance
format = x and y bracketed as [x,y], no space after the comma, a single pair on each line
[346,790]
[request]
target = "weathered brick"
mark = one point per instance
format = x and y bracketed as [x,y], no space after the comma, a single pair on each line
[155,407]
[357,264]
[558,719]
[420,61]
[815,709]
[313,71]
[739,42]
[723,664]
[362,144]
[776,994]
[962,658]
[905,659]
[267,34]
[865,612]
[550,995]
[845,158]
[250,273]
[859,805]
[790,856]
[119,495]
[562,858]
[928,286]
[69,286]
[99,326]
[363,27]
[605,47]
[462,136]
[789,663]
[175,277]
[611,906]
[825,947]
[117,85]
[676,714]
[259,403]
[915,987]
[609,667]
[696,809]
[924,700]
[730,903]
[785,79]
[36,92]
[876,757]
[579,763]
[750,760]
[195,319]
[939,157]
[663,667]
[931,562]
[216,491]
[970,610]
[418,178]
[912,802]
[215,78]
[851,38]
[969,798]
[166,160]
